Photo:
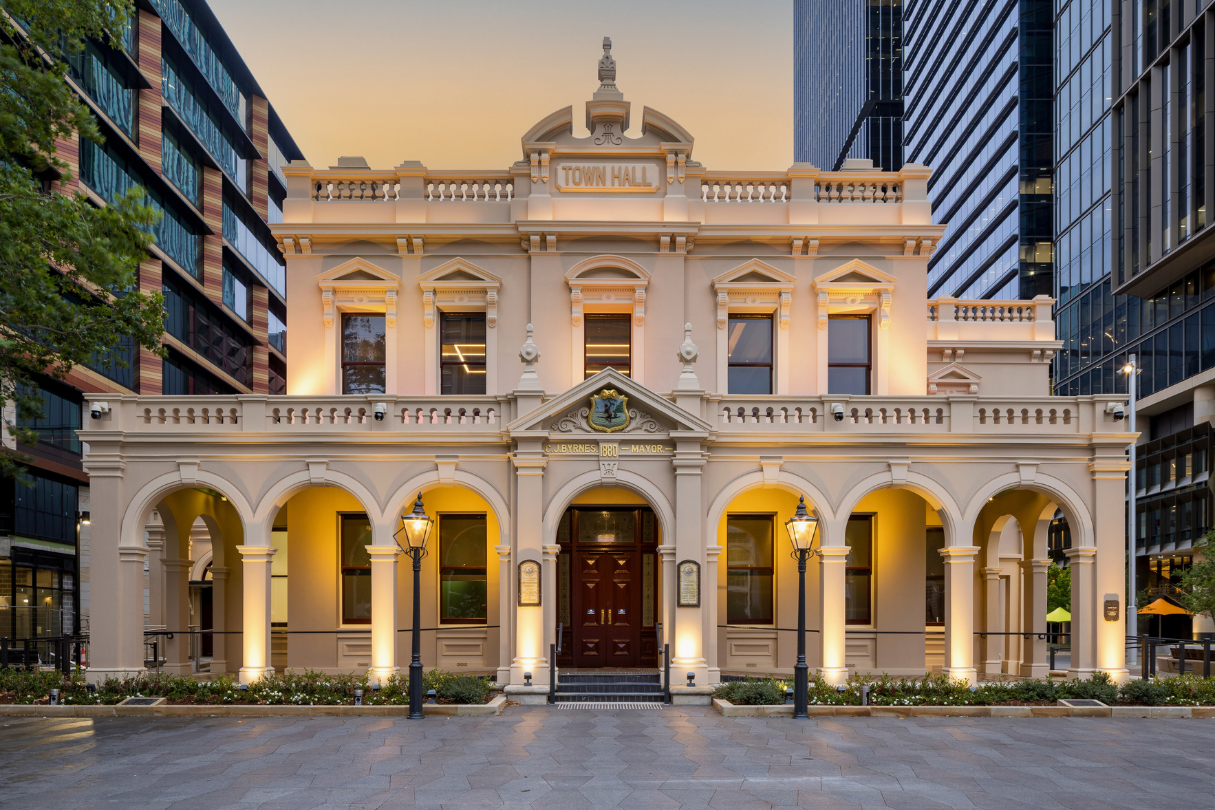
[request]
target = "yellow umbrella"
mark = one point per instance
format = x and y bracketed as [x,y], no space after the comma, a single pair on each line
[1059,615]
[1163,607]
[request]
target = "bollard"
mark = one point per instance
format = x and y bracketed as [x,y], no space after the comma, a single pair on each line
[1051,666]
[430,697]
[788,696]
[54,697]
[1143,651]
[1181,660]
[865,695]
[358,697]
[1206,657]
[691,679]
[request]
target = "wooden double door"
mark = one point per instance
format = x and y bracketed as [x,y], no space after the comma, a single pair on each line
[608,587]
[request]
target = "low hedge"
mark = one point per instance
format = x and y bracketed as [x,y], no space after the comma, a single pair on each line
[940,690]
[305,688]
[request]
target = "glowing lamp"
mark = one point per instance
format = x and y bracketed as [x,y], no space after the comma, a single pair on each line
[801,527]
[416,527]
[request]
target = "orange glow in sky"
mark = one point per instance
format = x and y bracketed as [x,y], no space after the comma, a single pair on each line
[455,84]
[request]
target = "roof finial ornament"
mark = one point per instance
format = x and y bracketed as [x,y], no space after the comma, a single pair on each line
[607,67]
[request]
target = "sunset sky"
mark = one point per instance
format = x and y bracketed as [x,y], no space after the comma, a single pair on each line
[455,84]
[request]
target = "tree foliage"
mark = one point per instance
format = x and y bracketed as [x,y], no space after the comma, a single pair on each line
[1198,581]
[1058,588]
[69,291]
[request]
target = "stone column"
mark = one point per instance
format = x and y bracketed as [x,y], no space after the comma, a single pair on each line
[530,653]
[177,616]
[506,613]
[548,603]
[1014,646]
[116,628]
[708,595]
[255,560]
[219,618]
[832,653]
[1034,660]
[670,585]
[687,639]
[156,544]
[1084,612]
[383,607]
[993,622]
[1108,564]
[959,612]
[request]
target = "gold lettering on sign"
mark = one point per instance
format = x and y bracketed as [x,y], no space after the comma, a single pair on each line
[569,449]
[648,449]
[629,177]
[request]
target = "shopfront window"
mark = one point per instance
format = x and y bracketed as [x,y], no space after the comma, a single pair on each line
[462,354]
[363,354]
[608,344]
[750,354]
[749,569]
[848,354]
[858,571]
[356,569]
[462,583]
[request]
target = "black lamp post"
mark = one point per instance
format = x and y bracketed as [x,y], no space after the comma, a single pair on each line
[801,533]
[416,526]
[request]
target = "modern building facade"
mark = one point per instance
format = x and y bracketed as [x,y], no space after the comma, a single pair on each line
[978,92]
[848,82]
[181,116]
[1156,303]
[611,372]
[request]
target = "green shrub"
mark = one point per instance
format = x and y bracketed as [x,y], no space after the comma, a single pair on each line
[463,689]
[766,692]
[1143,693]
[1099,687]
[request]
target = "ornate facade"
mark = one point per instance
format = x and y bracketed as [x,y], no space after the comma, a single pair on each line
[699,350]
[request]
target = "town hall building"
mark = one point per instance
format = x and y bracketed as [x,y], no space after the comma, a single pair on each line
[611,372]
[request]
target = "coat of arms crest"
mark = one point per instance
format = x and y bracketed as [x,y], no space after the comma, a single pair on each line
[609,411]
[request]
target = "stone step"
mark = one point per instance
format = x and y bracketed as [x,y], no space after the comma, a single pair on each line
[613,697]
[609,688]
[596,677]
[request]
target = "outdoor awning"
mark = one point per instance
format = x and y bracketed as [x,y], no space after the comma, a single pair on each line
[1059,615]
[1163,607]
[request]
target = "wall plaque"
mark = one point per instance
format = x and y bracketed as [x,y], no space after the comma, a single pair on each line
[689,583]
[529,584]
[1111,607]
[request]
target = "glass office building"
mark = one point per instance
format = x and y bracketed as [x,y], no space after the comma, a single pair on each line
[978,92]
[848,82]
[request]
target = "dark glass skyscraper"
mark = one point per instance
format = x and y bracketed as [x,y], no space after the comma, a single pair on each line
[848,82]
[978,92]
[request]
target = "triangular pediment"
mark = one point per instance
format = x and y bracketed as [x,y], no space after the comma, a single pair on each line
[954,373]
[458,273]
[358,272]
[856,273]
[649,413]
[755,272]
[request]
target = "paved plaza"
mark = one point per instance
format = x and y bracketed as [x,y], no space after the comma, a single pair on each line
[566,759]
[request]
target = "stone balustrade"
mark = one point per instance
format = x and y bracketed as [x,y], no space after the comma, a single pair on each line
[957,319]
[846,188]
[772,188]
[453,188]
[337,187]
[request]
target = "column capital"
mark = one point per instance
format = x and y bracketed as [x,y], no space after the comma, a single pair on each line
[1084,555]
[713,552]
[833,553]
[255,553]
[503,552]
[960,554]
[667,552]
[177,566]
[384,553]
[992,573]
[1036,566]
[132,553]
[550,552]
[219,574]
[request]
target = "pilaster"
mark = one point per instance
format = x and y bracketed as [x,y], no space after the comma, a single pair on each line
[255,560]
[831,563]
[383,607]
[531,654]
[688,640]
[959,612]
[1034,662]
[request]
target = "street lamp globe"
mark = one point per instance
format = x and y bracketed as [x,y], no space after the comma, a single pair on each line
[801,527]
[416,527]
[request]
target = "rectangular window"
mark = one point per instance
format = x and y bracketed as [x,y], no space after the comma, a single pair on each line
[858,571]
[45,508]
[608,343]
[236,294]
[848,355]
[750,354]
[59,420]
[363,353]
[749,569]
[934,577]
[356,569]
[462,585]
[462,353]
[276,331]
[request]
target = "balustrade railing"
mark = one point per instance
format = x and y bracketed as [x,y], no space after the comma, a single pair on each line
[982,311]
[457,189]
[857,191]
[337,189]
[745,190]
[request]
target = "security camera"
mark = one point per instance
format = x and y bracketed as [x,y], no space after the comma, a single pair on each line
[97,409]
[1117,409]
[380,409]
[837,410]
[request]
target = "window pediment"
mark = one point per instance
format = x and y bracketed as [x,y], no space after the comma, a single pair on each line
[754,286]
[855,287]
[607,281]
[358,286]
[953,379]
[460,285]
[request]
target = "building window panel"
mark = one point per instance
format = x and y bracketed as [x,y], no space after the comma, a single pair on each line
[356,569]
[236,294]
[45,508]
[463,597]
[848,354]
[858,571]
[363,354]
[608,344]
[934,578]
[750,354]
[749,569]
[462,352]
